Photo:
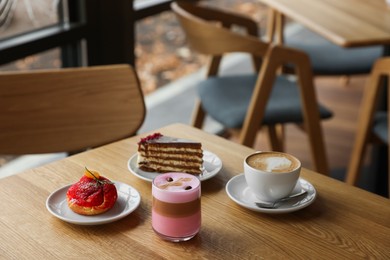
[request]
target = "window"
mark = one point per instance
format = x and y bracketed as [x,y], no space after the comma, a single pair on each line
[20,16]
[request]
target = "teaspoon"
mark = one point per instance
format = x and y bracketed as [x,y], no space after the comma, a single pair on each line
[272,205]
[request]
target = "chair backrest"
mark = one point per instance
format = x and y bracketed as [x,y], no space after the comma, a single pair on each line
[209,31]
[203,36]
[68,110]
[220,39]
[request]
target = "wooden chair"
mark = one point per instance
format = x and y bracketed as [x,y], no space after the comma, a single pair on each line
[372,125]
[246,102]
[68,110]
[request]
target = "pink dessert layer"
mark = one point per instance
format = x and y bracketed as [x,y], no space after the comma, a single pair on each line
[176,227]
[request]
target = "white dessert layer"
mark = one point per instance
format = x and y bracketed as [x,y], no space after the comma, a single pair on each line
[156,161]
[160,168]
[170,156]
[168,139]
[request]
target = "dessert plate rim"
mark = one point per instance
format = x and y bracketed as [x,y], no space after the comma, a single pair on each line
[128,200]
[211,162]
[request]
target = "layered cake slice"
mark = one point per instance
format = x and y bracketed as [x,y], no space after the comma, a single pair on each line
[159,153]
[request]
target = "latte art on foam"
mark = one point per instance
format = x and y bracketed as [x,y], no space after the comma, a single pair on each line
[273,162]
[276,163]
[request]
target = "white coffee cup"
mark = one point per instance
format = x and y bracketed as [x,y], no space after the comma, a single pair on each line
[271,175]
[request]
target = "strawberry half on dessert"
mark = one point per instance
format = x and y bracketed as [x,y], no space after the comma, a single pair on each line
[92,194]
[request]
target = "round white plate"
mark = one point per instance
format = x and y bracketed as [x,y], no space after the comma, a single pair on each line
[128,200]
[239,192]
[212,164]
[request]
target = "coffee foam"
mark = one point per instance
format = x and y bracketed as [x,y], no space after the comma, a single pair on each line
[277,163]
[273,162]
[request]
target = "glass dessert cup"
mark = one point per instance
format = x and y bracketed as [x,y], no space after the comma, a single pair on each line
[176,206]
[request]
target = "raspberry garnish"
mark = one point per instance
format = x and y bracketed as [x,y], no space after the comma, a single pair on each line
[150,137]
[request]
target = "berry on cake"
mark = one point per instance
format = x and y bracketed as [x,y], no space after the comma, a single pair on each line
[159,153]
[93,194]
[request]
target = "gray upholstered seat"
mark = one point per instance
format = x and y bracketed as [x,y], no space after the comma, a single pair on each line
[329,59]
[226,100]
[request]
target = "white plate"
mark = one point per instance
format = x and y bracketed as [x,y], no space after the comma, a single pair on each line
[212,164]
[128,200]
[239,192]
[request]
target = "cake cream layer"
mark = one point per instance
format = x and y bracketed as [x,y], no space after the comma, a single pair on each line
[193,157]
[163,169]
[190,163]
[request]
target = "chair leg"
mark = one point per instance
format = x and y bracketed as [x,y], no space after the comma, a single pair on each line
[312,126]
[270,32]
[317,146]
[276,137]
[363,133]
[198,115]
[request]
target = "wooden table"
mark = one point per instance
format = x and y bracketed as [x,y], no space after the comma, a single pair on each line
[347,23]
[344,222]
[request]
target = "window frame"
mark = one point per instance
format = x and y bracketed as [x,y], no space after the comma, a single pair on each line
[92,21]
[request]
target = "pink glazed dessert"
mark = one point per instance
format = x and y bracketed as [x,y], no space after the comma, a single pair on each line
[176,209]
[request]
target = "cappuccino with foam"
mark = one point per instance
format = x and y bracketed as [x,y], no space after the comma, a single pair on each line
[273,162]
[271,175]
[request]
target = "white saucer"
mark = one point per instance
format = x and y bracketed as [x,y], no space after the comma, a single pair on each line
[128,200]
[212,164]
[239,192]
